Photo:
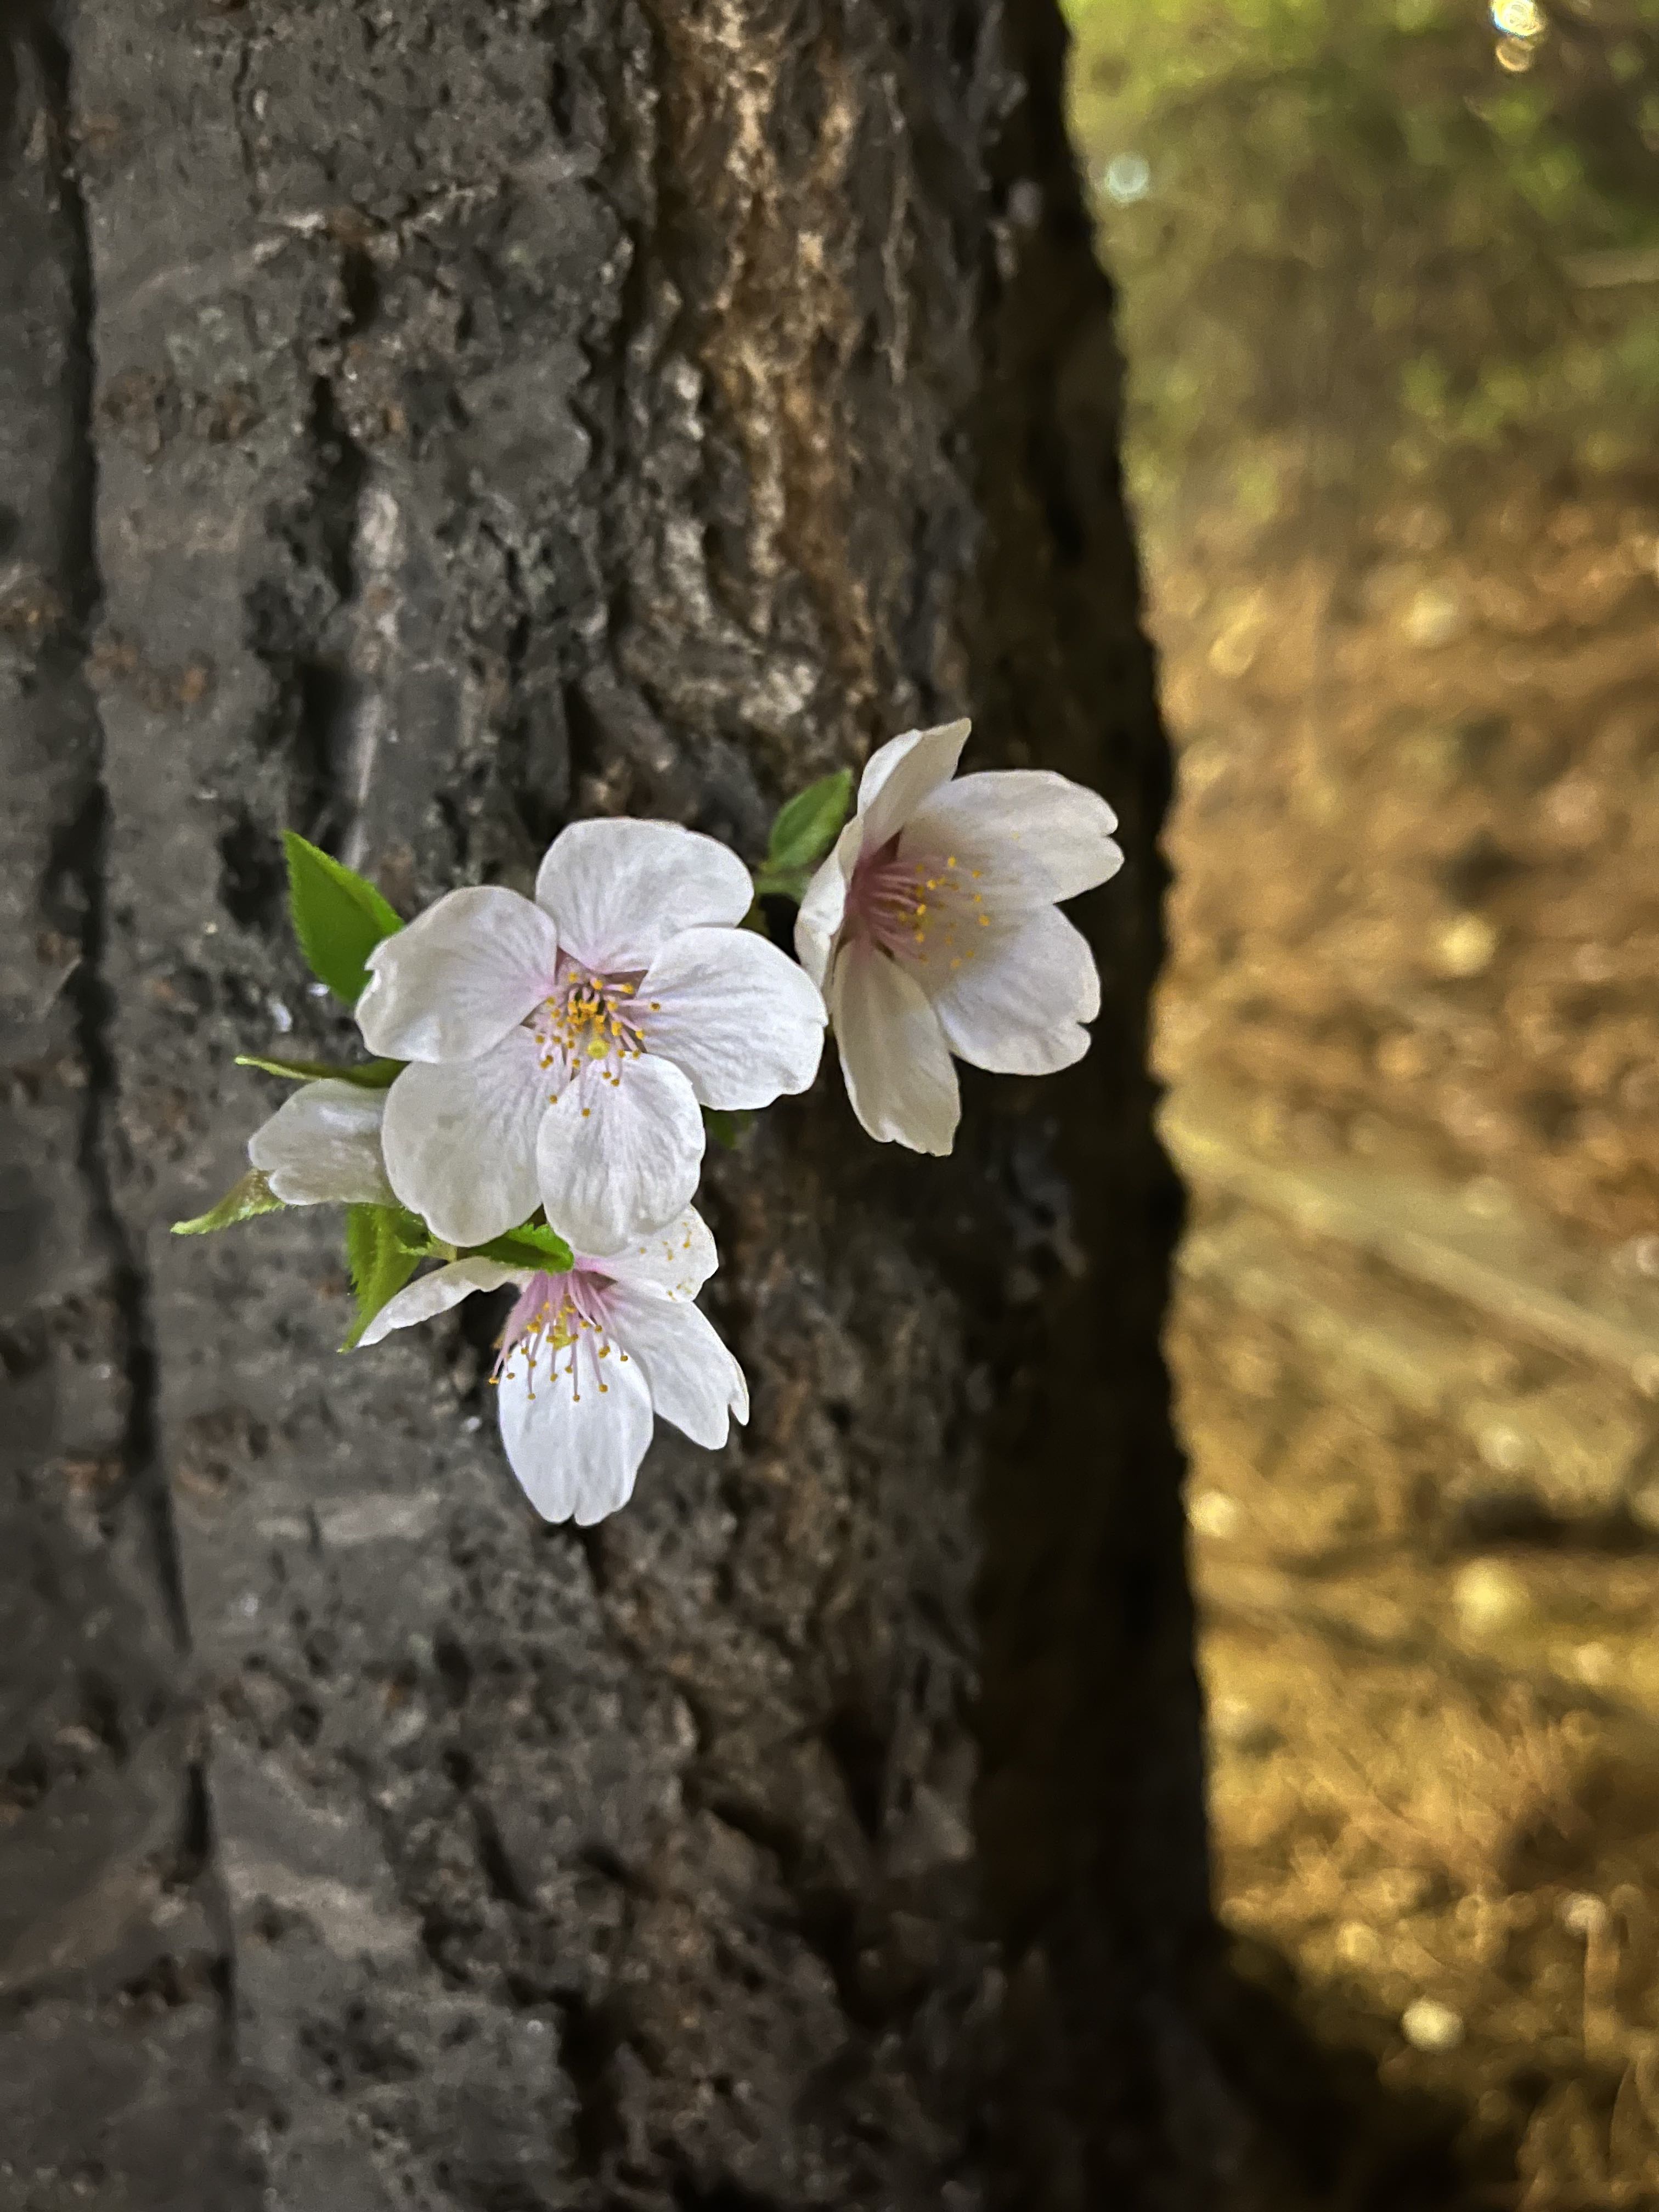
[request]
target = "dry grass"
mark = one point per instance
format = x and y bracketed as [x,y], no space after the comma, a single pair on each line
[1415,924]
[1420,1798]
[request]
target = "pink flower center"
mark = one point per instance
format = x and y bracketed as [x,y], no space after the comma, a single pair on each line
[563,1317]
[588,1015]
[923,908]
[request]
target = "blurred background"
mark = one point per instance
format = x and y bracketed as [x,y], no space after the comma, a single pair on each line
[1390,280]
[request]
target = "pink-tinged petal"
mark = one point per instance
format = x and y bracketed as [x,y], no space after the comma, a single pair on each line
[429,1296]
[736,1014]
[679,1258]
[619,1158]
[460,1140]
[574,1439]
[695,1382]
[462,974]
[898,777]
[619,889]
[322,1147]
[824,907]
[1018,1007]
[1034,837]
[893,1052]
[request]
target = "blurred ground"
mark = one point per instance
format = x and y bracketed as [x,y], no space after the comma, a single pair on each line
[1409,1030]
[1391,305]
[1417,851]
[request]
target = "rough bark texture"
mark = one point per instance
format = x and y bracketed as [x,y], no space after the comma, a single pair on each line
[424,421]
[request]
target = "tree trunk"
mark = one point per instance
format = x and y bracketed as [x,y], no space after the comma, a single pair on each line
[423,424]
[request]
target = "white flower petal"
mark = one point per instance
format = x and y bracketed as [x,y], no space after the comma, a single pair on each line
[322,1147]
[1017,1007]
[898,778]
[694,1380]
[893,1052]
[619,889]
[461,976]
[742,1020]
[460,1140]
[1036,837]
[618,1160]
[429,1296]
[679,1258]
[824,907]
[575,1447]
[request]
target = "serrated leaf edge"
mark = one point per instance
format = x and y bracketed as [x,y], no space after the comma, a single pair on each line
[260,1197]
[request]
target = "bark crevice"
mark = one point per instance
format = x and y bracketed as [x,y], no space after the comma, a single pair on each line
[78,881]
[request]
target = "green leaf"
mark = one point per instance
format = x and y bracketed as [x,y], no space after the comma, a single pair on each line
[775,883]
[384,1244]
[253,1194]
[367,1074]
[532,1246]
[728,1129]
[339,917]
[412,1233]
[809,825]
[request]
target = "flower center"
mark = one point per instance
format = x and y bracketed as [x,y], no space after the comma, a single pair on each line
[923,908]
[563,1316]
[587,1016]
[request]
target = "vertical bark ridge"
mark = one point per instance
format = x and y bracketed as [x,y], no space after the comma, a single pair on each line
[114,1993]
[80,850]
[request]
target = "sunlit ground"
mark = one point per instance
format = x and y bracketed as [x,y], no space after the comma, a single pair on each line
[1410,1031]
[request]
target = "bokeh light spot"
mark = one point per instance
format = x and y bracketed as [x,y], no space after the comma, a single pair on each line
[1127,177]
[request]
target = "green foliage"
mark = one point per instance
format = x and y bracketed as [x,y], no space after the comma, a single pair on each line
[810,823]
[1369,248]
[367,1074]
[728,1129]
[803,832]
[339,917]
[532,1246]
[252,1196]
[384,1244]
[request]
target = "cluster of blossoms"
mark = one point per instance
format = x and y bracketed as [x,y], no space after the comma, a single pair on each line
[546,1069]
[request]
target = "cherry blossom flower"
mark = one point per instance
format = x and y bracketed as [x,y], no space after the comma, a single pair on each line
[322,1147]
[933,929]
[562,1047]
[589,1358]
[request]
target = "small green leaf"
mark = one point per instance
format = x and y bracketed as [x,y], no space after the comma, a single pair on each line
[339,917]
[775,883]
[383,1251]
[367,1074]
[728,1129]
[412,1233]
[809,825]
[532,1246]
[253,1194]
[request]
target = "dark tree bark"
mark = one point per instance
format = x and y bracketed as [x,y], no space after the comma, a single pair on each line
[425,421]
